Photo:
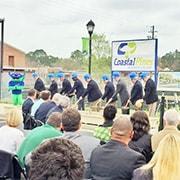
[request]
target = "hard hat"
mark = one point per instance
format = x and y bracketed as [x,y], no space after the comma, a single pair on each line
[116,74]
[60,75]
[35,74]
[132,75]
[144,74]
[105,77]
[50,75]
[74,75]
[87,76]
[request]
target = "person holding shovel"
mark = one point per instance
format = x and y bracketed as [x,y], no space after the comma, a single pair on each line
[108,89]
[79,90]
[136,91]
[121,89]
[151,95]
[92,92]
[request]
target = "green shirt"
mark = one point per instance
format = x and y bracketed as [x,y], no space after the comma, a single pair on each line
[102,133]
[34,138]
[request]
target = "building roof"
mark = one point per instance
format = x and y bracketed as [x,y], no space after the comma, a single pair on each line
[10,46]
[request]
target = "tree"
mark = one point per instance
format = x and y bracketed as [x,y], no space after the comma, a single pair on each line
[171,61]
[101,54]
[77,56]
[39,57]
[100,46]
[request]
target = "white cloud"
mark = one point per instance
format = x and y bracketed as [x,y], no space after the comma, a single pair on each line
[57,25]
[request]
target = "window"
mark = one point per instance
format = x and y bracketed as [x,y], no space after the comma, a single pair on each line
[11,61]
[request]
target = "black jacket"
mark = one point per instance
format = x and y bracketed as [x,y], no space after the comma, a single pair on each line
[143,146]
[53,88]
[26,107]
[93,92]
[150,92]
[136,92]
[109,91]
[43,110]
[78,87]
[66,86]
[39,85]
[121,89]
[114,161]
[54,109]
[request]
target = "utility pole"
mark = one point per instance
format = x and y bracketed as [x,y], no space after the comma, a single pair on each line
[152,32]
[2,54]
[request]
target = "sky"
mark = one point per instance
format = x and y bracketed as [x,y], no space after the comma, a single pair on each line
[58,25]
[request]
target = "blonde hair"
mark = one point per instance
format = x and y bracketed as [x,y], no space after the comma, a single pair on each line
[165,163]
[14,117]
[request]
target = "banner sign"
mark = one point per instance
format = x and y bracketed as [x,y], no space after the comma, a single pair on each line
[134,55]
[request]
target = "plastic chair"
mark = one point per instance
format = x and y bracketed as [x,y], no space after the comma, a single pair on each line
[10,167]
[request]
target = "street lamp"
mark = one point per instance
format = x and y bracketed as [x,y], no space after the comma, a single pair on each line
[2,51]
[90,27]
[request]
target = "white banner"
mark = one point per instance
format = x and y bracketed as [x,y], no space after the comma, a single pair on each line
[135,55]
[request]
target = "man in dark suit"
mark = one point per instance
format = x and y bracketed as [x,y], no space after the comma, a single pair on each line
[92,92]
[137,90]
[66,85]
[26,107]
[79,90]
[54,86]
[121,89]
[115,160]
[151,95]
[108,89]
[39,84]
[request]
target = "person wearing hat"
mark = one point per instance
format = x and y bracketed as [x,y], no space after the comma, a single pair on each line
[66,85]
[121,89]
[53,88]
[151,96]
[136,91]
[92,92]
[39,84]
[108,89]
[79,90]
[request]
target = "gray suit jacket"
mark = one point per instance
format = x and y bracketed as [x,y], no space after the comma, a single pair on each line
[87,144]
[114,161]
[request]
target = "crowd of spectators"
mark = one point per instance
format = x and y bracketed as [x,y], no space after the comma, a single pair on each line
[121,148]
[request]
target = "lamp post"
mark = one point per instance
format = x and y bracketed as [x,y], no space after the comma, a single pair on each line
[90,27]
[2,54]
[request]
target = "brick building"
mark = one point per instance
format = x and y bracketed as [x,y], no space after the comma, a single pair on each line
[13,57]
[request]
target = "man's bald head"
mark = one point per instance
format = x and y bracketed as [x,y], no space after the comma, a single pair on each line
[122,128]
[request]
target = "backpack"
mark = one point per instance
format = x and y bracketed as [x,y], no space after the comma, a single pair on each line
[30,122]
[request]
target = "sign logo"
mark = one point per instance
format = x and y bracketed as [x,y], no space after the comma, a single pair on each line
[126,49]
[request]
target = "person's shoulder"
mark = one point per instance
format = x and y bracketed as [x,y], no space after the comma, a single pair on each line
[16,131]
[91,139]
[146,137]
[158,134]
[134,154]
[141,174]
[66,80]
[139,83]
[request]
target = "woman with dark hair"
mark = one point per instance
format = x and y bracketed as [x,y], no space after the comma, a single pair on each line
[102,132]
[141,140]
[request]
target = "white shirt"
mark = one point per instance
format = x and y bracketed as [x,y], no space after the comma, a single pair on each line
[35,106]
[10,139]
